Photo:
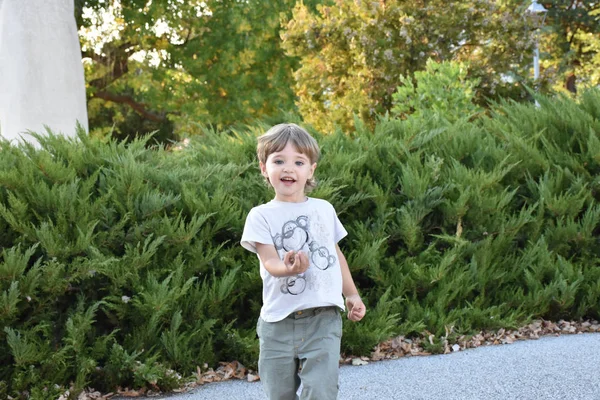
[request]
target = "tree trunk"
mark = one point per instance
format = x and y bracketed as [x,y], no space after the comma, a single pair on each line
[570,83]
[41,75]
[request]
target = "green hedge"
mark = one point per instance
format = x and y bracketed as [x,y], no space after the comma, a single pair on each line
[121,266]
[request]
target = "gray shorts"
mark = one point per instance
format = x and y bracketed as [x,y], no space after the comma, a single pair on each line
[302,348]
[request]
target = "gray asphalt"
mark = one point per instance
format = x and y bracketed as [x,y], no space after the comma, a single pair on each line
[553,367]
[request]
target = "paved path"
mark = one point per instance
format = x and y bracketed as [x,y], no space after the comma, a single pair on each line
[563,367]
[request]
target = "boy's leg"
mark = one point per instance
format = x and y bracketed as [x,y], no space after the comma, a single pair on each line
[277,363]
[320,355]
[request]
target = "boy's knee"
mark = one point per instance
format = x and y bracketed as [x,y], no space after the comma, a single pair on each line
[321,389]
[320,375]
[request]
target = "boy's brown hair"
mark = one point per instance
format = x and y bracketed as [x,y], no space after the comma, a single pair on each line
[276,138]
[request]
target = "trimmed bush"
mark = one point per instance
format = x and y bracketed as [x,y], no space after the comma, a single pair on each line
[121,266]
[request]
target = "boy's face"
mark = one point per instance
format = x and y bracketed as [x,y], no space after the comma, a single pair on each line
[287,171]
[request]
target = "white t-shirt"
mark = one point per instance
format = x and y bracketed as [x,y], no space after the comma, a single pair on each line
[314,228]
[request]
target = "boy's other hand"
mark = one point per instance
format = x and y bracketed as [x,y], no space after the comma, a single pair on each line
[296,262]
[356,307]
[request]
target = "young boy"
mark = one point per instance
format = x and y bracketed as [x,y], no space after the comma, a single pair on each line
[304,272]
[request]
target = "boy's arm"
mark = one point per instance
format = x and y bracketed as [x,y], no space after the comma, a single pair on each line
[354,304]
[292,264]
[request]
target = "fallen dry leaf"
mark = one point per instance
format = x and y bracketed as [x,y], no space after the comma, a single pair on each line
[508,340]
[92,394]
[64,396]
[377,355]
[131,393]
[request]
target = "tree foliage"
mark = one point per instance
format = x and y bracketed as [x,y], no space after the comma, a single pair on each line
[570,44]
[442,89]
[170,65]
[354,52]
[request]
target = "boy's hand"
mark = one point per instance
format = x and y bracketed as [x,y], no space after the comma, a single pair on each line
[296,263]
[356,307]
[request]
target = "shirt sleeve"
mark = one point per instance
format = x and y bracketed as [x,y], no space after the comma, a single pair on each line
[339,232]
[256,230]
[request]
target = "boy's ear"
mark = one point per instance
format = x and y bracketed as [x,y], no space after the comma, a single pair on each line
[312,170]
[263,169]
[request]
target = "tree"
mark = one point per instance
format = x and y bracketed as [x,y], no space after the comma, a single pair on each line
[354,52]
[443,89]
[172,64]
[570,39]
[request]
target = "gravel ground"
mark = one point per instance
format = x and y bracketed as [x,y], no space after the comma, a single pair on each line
[553,367]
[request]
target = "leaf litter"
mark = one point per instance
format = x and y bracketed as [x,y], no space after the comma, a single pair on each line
[401,346]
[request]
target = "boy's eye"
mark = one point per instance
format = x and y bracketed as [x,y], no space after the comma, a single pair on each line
[299,163]
[278,162]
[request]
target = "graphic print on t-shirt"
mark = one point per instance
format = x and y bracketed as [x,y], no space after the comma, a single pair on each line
[294,236]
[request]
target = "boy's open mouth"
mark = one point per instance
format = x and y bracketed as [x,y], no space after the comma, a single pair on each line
[290,180]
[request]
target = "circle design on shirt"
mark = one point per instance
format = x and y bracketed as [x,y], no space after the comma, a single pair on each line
[294,235]
[294,285]
[320,256]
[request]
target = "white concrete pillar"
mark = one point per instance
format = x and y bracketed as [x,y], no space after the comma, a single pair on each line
[41,75]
